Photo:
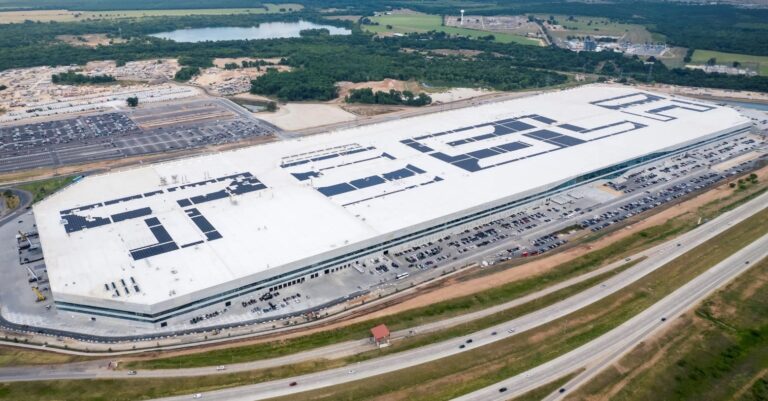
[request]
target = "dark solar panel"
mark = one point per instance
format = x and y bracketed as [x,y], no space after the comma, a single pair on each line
[542,119]
[483,153]
[161,234]
[566,140]
[483,137]
[131,214]
[306,175]
[367,182]
[336,189]
[571,127]
[152,221]
[184,202]
[542,134]
[213,235]
[127,198]
[192,244]
[415,169]
[517,125]
[154,250]
[203,224]
[449,159]
[512,146]
[398,174]
[76,223]
[221,194]
[470,165]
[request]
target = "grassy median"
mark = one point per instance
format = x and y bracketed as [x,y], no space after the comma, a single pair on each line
[720,352]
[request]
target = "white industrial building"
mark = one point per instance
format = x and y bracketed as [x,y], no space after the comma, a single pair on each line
[161,240]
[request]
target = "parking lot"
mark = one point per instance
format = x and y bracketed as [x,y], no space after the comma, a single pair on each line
[116,135]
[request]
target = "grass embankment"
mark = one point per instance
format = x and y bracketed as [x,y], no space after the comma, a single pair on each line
[13,356]
[461,305]
[419,23]
[720,352]
[459,374]
[447,377]
[747,61]
[41,189]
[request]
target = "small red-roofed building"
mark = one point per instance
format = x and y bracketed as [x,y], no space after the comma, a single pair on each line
[380,335]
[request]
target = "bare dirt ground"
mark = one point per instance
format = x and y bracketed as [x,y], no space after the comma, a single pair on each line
[295,116]
[384,86]
[368,110]
[454,94]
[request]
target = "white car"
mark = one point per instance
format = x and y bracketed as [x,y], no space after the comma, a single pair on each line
[220,368]
[197,396]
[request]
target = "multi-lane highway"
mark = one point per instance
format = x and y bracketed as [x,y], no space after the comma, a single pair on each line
[603,351]
[679,301]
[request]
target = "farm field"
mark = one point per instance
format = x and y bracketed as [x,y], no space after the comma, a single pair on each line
[701,57]
[11,17]
[409,23]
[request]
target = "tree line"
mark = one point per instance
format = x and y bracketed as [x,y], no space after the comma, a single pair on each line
[73,78]
[393,97]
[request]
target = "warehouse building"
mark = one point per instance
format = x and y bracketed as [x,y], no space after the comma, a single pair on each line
[159,241]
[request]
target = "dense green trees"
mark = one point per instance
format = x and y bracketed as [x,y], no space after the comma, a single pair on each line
[132,101]
[73,78]
[186,73]
[407,98]
[296,85]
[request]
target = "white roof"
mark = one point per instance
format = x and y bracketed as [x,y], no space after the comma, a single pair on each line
[304,210]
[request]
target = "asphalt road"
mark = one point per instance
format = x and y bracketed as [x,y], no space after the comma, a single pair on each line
[603,351]
[611,343]
[25,200]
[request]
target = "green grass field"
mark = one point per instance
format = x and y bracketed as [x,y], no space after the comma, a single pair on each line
[411,23]
[9,17]
[718,353]
[595,26]
[701,57]
[41,189]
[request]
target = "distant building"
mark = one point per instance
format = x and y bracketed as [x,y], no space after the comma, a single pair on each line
[590,45]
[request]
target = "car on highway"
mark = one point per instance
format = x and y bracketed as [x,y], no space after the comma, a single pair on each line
[131,373]
[462,346]
[220,368]
[197,396]
[503,390]
[293,384]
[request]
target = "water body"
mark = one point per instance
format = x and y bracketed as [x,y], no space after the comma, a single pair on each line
[267,30]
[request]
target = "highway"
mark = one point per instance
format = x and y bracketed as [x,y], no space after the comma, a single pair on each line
[603,351]
[614,342]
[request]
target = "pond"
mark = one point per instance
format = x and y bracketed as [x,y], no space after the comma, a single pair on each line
[267,30]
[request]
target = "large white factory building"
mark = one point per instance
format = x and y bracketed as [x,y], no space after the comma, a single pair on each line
[157,241]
